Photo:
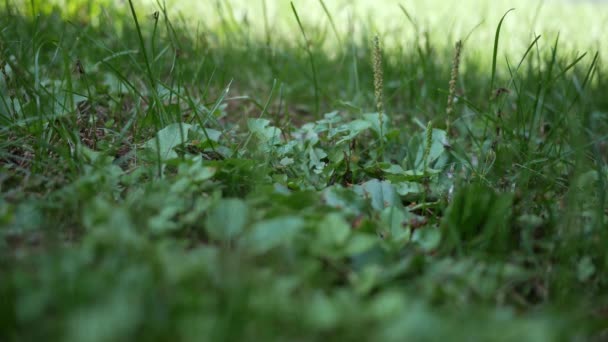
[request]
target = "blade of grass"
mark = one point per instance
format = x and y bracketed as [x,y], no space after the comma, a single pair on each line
[568,67]
[152,86]
[495,52]
[311,58]
[411,20]
[331,22]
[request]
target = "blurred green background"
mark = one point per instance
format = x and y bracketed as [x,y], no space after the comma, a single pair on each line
[580,24]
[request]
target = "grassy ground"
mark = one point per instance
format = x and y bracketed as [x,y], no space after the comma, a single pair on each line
[241,177]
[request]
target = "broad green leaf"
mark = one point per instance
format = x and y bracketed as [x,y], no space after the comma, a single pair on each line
[351,129]
[321,312]
[196,132]
[408,188]
[227,219]
[360,243]
[348,201]
[307,133]
[367,278]
[271,233]
[374,120]
[195,171]
[163,221]
[334,230]
[168,138]
[394,169]
[585,269]
[382,194]
[119,309]
[387,304]
[261,130]
[314,159]
[438,144]
[395,220]
[109,224]
[427,238]
[93,156]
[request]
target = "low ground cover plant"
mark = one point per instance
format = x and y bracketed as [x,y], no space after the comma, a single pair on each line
[163,180]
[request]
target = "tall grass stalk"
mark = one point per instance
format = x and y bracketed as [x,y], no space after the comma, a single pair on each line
[452,87]
[379,86]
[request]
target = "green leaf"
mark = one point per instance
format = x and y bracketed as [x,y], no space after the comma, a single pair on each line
[395,220]
[95,157]
[393,169]
[194,170]
[351,129]
[334,230]
[367,278]
[427,238]
[585,269]
[196,132]
[382,194]
[360,243]
[168,138]
[387,304]
[314,156]
[308,133]
[408,188]
[438,144]
[348,201]
[374,120]
[272,233]
[163,221]
[120,310]
[321,312]
[227,219]
[261,130]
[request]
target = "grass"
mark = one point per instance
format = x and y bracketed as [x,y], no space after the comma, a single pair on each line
[234,179]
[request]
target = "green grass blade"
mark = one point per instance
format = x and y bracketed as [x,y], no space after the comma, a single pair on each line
[331,22]
[307,43]
[411,20]
[495,51]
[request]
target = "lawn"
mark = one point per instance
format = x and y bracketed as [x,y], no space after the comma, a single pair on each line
[315,170]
